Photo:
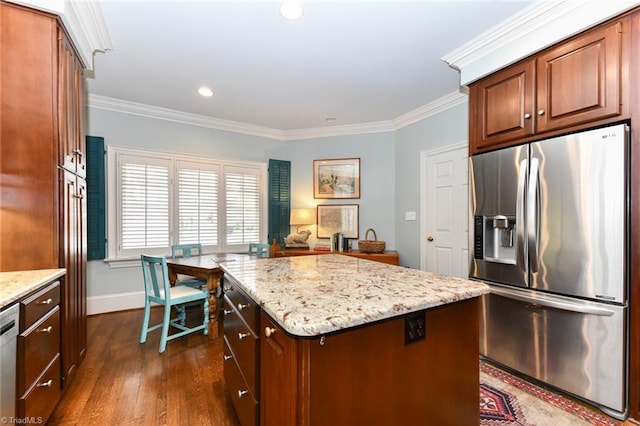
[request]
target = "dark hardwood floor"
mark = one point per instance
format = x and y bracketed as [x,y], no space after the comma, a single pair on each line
[123,382]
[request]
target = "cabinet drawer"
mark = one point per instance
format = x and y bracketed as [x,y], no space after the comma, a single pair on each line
[245,306]
[35,306]
[243,344]
[243,399]
[37,346]
[43,396]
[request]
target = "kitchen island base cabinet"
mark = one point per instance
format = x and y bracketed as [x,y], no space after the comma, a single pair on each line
[368,375]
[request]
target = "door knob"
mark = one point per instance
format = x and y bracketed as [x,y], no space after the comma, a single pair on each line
[429,238]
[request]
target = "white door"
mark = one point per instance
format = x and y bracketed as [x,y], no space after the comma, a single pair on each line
[445,214]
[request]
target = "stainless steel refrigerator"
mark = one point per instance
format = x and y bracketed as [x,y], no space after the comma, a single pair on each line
[550,235]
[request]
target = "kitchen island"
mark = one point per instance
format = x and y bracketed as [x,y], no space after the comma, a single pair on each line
[320,340]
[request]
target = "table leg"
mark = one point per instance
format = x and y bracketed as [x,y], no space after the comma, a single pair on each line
[173,276]
[213,281]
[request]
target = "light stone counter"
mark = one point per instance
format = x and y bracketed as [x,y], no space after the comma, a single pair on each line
[315,295]
[17,284]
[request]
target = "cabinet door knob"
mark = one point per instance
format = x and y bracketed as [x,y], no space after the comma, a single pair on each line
[46,330]
[268,331]
[243,335]
[540,112]
[227,357]
[241,393]
[227,311]
[46,384]
[429,238]
[527,116]
[242,306]
[45,302]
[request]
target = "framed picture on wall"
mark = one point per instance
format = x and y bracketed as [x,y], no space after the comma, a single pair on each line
[337,178]
[337,218]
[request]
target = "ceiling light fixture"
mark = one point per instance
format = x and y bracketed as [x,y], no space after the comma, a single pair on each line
[205,91]
[291,9]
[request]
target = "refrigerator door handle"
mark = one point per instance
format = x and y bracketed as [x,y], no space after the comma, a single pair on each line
[532,214]
[549,302]
[521,248]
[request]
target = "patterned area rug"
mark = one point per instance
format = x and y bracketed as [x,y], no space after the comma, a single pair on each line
[508,400]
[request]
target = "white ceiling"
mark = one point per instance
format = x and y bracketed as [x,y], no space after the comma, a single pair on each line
[354,61]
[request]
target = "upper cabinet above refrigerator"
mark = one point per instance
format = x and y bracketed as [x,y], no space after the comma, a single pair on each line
[566,86]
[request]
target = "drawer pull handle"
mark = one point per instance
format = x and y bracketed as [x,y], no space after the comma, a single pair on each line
[241,393]
[46,330]
[242,306]
[227,357]
[46,384]
[227,311]
[268,331]
[243,335]
[45,302]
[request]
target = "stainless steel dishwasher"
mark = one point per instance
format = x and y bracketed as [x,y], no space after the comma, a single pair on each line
[9,319]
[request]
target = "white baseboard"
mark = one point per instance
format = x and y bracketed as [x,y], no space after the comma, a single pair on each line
[115,302]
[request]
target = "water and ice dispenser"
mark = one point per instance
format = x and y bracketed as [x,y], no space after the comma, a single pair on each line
[494,238]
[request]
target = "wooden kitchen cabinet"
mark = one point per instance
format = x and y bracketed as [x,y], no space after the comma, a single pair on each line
[38,378]
[241,352]
[502,105]
[42,164]
[573,83]
[389,257]
[71,101]
[334,379]
[74,255]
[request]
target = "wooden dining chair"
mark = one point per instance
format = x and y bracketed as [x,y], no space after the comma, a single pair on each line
[158,290]
[188,250]
[259,250]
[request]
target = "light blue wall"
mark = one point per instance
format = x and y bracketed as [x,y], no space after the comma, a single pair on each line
[376,152]
[139,132]
[446,128]
[390,173]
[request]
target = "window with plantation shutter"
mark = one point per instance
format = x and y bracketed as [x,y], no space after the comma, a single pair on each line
[159,199]
[243,200]
[198,203]
[144,203]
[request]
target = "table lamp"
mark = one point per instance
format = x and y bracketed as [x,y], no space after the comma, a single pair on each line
[298,218]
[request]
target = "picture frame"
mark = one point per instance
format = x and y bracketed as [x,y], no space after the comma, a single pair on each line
[336,178]
[337,218]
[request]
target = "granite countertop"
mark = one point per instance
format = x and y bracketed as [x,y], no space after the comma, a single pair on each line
[17,284]
[315,295]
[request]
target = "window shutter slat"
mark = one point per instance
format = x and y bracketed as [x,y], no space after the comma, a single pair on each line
[145,205]
[279,199]
[197,205]
[96,198]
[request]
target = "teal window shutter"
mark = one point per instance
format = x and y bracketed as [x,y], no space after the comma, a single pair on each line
[279,200]
[96,204]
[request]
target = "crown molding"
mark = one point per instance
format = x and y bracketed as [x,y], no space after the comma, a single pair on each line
[533,29]
[439,105]
[126,107]
[133,108]
[83,21]
[349,129]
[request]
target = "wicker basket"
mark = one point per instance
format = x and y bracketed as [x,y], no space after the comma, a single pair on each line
[371,246]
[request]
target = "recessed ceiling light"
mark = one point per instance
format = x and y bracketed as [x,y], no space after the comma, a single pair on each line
[205,91]
[291,9]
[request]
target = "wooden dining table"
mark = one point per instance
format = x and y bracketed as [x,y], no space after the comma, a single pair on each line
[206,267]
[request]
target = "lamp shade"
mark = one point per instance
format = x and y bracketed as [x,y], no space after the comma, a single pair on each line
[302,216]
